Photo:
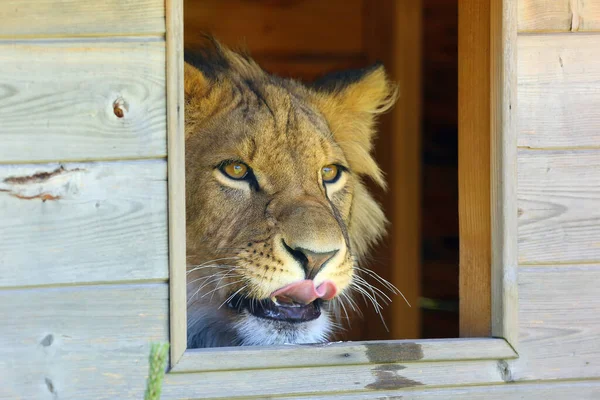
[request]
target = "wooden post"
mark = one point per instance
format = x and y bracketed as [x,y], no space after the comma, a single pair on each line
[474,167]
[176,179]
[393,36]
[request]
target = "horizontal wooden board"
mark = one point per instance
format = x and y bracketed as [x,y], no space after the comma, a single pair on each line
[579,390]
[307,69]
[559,217]
[79,342]
[558,15]
[348,353]
[82,100]
[278,27]
[559,323]
[89,222]
[559,90]
[81,17]
[316,380]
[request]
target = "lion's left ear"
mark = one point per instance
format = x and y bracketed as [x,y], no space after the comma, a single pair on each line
[351,101]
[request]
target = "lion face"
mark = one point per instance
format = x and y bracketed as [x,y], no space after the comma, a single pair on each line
[277,214]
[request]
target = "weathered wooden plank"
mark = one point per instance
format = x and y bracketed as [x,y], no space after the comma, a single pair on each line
[79,342]
[344,353]
[176,181]
[558,15]
[559,323]
[90,222]
[82,100]
[559,217]
[580,390]
[503,165]
[559,90]
[80,17]
[317,380]
[279,27]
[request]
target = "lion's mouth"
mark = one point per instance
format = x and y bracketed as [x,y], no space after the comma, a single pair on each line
[298,302]
[279,309]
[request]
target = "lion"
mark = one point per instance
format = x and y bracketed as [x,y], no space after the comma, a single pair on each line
[278,215]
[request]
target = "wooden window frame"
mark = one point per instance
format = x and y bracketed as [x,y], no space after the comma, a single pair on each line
[487,209]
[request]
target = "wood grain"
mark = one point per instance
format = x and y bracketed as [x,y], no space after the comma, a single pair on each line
[474,167]
[307,69]
[559,193]
[30,18]
[176,182]
[580,390]
[559,90]
[503,168]
[90,222]
[405,134]
[79,342]
[558,15]
[392,36]
[560,323]
[316,380]
[278,27]
[344,353]
[60,100]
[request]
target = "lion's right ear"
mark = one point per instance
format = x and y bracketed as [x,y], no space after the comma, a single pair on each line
[351,101]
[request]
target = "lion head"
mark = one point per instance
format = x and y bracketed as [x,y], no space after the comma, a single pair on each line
[278,215]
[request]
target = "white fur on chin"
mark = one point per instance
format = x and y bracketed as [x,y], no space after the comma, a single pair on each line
[254,331]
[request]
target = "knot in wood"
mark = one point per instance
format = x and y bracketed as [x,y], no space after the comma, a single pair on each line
[120,107]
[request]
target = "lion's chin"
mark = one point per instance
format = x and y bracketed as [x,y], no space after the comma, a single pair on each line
[257,331]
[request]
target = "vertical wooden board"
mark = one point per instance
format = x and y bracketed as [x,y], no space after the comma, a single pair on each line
[503,168]
[81,17]
[82,100]
[393,37]
[559,90]
[559,217]
[559,323]
[474,167]
[79,342]
[176,184]
[558,15]
[90,222]
[278,27]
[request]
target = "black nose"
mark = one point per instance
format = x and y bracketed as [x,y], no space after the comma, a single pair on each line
[311,262]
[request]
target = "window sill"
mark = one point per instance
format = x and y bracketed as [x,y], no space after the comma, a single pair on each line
[343,353]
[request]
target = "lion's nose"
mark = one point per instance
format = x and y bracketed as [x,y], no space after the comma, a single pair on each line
[311,261]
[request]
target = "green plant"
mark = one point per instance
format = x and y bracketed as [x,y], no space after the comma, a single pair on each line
[156,372]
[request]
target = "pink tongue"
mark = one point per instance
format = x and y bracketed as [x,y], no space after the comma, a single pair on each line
[304,292]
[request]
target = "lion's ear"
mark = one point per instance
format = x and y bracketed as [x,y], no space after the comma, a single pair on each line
[351,101]
[195,83]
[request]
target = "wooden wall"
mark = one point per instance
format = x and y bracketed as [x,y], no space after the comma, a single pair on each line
[83,197]
[559,189]
[83,259]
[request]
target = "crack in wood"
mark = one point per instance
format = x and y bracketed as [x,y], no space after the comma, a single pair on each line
[38,177]
[40,185]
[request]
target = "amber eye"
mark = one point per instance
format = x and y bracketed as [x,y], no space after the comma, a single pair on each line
[330,173]
[235,170]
